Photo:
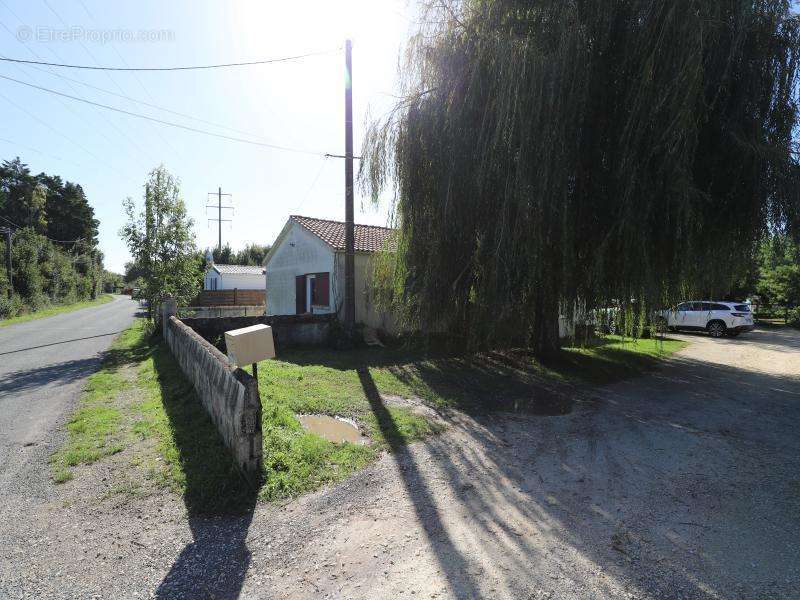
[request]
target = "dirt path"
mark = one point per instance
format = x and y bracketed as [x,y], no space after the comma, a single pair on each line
[681,484]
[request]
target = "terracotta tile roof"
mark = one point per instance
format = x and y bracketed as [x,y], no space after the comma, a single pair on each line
[238,269]
[369,238]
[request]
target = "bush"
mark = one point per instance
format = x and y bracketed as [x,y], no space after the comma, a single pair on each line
[10,308]
[38,302]
[46,274]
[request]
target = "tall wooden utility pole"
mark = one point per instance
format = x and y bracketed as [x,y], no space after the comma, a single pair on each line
[219,218]
[7,232]
[349,227]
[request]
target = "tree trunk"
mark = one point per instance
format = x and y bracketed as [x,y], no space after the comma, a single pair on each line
[545,342]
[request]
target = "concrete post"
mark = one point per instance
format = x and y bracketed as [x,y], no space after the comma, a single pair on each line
[169,307]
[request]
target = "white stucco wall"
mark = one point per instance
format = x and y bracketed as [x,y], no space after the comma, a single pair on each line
[229,281]
[366,312]
[210,277]
[299,252]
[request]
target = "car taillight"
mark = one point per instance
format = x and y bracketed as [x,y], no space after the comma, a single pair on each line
[738,314]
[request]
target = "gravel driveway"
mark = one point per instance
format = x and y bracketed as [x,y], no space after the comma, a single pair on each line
[681,484]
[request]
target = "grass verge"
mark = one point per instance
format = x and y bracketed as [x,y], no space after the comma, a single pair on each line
[140,404]
[57,310]
[95,429]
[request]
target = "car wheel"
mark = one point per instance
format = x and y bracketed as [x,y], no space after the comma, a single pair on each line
[716,329]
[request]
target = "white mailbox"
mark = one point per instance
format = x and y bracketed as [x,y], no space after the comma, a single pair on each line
[250,344]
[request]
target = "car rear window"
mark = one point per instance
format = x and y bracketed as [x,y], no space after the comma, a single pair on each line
[741,308]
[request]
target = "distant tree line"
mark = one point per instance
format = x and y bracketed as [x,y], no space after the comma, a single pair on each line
[250,255]
[54,241]
[113,282]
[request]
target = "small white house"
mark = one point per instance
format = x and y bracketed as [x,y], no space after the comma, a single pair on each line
[229,277]
[305,269]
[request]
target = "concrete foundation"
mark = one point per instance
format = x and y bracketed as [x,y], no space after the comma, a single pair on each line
[288,331]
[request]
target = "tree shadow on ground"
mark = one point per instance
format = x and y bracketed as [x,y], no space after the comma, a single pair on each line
[494,381]
[59,373]
[450,559]
[638,486]
[219,500]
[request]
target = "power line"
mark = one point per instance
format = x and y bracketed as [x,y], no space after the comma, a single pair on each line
[85,120]
[313,183]
[66,106]
[107,74]
[135,76]
[169,123]
[32,149]
[184,68]
[54,130]
[143,103]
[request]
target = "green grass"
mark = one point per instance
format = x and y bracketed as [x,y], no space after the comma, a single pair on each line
[325,381]
[177,446]
[612,358]
[140,400]
[94,430]
[56,310]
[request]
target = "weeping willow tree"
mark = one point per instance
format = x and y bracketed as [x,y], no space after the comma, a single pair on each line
[552,156]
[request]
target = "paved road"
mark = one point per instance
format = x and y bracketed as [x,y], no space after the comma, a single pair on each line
[43,367]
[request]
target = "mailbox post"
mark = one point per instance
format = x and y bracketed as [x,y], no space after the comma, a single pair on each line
[249,345]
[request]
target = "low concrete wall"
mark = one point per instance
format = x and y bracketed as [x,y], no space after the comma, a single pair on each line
[229,394]
[288,331]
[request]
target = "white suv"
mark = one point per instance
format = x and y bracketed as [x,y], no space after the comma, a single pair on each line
[718,318]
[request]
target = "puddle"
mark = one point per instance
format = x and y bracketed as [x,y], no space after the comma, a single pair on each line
[332,429]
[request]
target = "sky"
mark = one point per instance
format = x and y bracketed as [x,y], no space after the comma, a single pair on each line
[297,104]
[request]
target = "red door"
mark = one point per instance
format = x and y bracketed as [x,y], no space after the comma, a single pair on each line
[300,294]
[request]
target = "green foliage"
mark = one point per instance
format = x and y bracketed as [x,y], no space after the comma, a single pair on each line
[10,307]
[779,272]
[112,282]
[553,155]
[44,273]
[224,255]
[42,209]
[161,241]
[251,254]
[45,203]
[29,250]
